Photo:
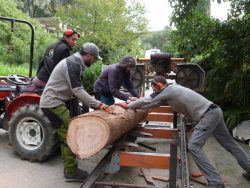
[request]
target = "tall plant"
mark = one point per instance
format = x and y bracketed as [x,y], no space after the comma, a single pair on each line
[222,48]
[15,45]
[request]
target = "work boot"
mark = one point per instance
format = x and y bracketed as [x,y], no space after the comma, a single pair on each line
[246,175]
[77,176]
[215,186]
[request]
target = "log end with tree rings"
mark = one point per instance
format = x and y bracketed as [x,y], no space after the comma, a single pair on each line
[87,137]
[91,132]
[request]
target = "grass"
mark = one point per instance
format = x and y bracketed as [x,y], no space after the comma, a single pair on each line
[7,69]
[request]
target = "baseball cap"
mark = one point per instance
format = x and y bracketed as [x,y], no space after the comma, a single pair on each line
[92,49]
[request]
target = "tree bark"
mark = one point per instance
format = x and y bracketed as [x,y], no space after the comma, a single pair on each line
[89,133]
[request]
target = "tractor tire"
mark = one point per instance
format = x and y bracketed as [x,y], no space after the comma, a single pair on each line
[31,134]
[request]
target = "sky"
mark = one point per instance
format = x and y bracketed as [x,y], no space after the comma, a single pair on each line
[158,12]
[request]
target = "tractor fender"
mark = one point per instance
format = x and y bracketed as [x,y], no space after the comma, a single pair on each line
[21,100]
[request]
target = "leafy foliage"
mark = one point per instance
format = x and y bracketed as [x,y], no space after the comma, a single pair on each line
[112,25]
[40,8]
[182,9]
[159,40]
[90,76]
[185,8]
[222,49]
[15,46]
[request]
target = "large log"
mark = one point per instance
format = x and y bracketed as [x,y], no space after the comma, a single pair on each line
[89,133]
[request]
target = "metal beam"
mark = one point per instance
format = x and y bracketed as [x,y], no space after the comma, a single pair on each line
[144,160]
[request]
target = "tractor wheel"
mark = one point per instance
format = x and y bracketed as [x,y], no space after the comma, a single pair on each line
[31,134]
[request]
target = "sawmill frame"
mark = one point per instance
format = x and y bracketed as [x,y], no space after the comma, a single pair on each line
[176,161]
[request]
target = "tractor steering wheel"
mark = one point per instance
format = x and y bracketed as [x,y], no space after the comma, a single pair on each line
[18,79]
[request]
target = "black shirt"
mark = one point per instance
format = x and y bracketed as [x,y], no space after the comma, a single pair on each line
[53,55]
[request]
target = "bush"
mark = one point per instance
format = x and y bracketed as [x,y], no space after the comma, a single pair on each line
[15,46]
[222,50]
[90,76]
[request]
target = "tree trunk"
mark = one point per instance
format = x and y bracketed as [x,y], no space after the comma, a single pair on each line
[91,132]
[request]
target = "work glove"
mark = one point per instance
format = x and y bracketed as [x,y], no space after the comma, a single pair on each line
[106,108]
[122,104]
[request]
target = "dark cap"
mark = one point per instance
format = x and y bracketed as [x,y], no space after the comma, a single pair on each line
[92,49]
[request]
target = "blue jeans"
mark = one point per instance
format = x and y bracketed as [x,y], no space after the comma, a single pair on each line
[107,100]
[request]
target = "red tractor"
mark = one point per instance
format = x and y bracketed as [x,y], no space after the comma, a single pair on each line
[30,132]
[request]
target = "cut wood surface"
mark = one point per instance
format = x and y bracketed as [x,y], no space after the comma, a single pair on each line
[89,133]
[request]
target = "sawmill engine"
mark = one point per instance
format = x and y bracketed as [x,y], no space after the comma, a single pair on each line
[160,63]
[186,74]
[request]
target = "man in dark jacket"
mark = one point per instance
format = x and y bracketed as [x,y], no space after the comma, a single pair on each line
[64,82]
[53,55]
[209,119]
[108,84]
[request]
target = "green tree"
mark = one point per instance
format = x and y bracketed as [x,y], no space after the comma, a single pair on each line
[40,8]
[159,40]
[185,8]
[15,46]
[113,25]
[222,49]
